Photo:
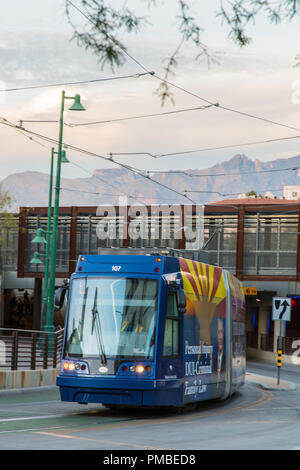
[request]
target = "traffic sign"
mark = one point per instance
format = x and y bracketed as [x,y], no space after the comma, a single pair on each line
[250,290]
[281,309]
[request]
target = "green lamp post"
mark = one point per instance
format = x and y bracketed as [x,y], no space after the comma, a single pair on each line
[77,106]
[48,234]
[39,238]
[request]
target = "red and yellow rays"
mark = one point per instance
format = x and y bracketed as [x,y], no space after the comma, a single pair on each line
[205,293]
[201,280]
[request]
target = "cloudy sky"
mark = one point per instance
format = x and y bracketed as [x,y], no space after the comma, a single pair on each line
[36,48]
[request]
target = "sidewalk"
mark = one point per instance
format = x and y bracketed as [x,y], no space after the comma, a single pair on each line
[269,383]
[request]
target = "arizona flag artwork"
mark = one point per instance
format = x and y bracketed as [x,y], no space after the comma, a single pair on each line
[205,291]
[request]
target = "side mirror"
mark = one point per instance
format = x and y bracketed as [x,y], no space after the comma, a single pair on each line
[59,298]
[181,300]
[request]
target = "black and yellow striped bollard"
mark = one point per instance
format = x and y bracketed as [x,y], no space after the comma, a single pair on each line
[279,362]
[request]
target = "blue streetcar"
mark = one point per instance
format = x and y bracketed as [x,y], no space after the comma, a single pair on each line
[151,330]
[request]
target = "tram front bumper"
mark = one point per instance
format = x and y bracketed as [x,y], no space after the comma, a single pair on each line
[114,391]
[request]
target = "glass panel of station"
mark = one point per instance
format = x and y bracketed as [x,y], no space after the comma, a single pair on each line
[270,244]
[220,240]
[9,245]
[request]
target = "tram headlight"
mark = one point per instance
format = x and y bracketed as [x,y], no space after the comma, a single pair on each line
[70,366]
[140,369]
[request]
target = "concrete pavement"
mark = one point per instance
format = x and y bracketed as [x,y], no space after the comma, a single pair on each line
[269,383]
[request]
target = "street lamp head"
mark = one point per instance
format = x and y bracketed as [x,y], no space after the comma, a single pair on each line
[77,106]
[39,238]
[36,258]
[64,157]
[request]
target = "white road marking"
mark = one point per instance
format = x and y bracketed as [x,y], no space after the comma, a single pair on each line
[32,429]
[7,420]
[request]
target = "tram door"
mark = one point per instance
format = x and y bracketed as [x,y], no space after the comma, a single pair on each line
[171,364]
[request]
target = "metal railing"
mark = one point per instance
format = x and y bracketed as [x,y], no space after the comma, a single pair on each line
[30,349]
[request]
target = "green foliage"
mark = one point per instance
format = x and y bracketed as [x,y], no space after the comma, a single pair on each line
[8,221]
[251,193]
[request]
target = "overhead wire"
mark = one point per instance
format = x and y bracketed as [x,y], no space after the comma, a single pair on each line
[214,175]
[130,168]
[89,192]
[73,163]
[206,149]
[134,170]
[139,116]
[113,186]
[230,194]
[148,72]
[243,144]
[94,175]
[93,154]
[24,134]
[49,85]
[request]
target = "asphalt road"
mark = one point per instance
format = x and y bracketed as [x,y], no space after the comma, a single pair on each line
[253,419]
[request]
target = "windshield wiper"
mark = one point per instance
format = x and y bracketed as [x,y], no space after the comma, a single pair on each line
[96,322]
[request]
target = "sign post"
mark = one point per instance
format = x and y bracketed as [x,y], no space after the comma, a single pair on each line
[281,310]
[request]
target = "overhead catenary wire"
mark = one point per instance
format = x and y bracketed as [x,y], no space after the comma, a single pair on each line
[5,121]
[97,193]
[25,135]
[89,192]
[48,148]
[113,186]
[78,166]
[214,175]
[226,108]
[93,154]
[128,118]
[205,149]
[94,175]
[129,168]
[229,194]
[81,82]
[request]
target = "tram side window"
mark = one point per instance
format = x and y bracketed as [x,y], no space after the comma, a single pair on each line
[171,336]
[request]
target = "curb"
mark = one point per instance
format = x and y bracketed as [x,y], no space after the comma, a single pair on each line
[262,382]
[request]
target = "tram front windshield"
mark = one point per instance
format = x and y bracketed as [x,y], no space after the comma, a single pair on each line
[112,318]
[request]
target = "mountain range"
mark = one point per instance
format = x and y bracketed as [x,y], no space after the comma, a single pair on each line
[225,180]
